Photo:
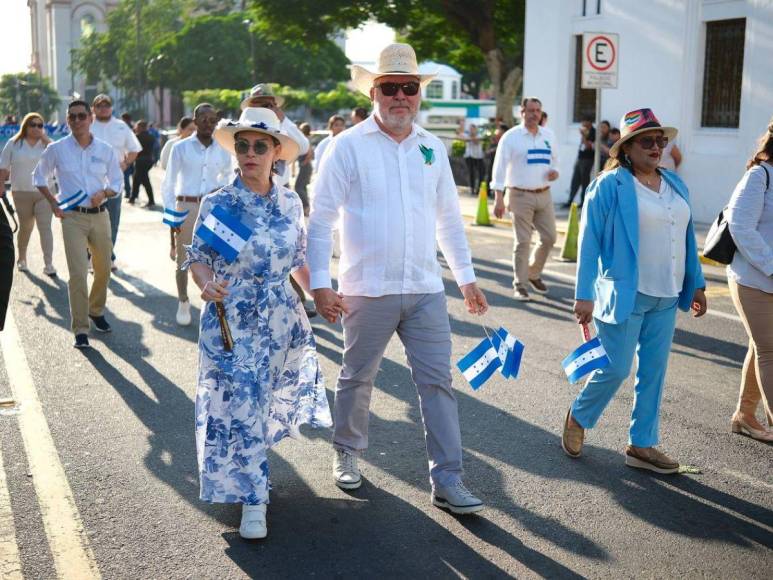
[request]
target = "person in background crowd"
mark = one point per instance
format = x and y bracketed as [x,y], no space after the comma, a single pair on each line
[584,163]
[750,277]
[614,136]
[604,128]
[19,158]
[491,152]
[129,171]
[156,142]
[122,139]
[543,120]
[185,128]
[143,164]
[473,157]
[358,115]
[672,157]
[10,120]
[637,263]
[305,167]
[335,125]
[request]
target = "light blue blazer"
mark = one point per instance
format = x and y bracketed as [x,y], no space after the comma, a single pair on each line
[607,264]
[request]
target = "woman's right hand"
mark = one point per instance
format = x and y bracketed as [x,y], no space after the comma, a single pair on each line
[583,311]
[214,291]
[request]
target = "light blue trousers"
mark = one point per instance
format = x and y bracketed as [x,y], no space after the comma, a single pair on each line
[648,333]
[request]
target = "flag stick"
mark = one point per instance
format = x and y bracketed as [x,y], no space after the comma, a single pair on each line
[586,332]
[225,330]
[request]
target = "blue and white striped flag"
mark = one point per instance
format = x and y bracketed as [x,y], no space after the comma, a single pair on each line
[174,219]
[478,365]
[73,201]
[224,233]
[510,352]
[588,357]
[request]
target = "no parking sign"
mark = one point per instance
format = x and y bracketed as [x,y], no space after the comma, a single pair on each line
[599,60]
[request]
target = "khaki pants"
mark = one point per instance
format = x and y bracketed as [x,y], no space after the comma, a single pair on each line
[184,238]
[531,211]
[80,232]
[32,208]
[756,310]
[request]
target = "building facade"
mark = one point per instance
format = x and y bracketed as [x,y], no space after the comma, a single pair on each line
[703,66]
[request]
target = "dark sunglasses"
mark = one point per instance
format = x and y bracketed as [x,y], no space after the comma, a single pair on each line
[649,141]
[77,116]
[409,89]
[35,125]
[242,147]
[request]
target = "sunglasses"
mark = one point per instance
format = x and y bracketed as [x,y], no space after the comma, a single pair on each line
[649,142]
[409,89]
[77,116]
[242,147]
[35,125]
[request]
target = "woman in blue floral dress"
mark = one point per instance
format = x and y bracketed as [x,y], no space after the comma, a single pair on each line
[270,383]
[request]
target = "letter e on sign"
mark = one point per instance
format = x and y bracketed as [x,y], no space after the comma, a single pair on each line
[600,52]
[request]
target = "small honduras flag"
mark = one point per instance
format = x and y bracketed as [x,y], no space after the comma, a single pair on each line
[478,365]
[224,233]
[509,351]
[174,219]
[73,201]
[588,357]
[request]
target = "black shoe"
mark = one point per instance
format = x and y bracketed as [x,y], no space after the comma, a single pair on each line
[149,206]
[538,285]
[81,341]
[100,323]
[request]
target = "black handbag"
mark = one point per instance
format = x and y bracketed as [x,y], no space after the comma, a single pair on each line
[719,245]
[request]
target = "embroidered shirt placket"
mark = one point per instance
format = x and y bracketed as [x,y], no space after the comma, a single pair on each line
[403,149]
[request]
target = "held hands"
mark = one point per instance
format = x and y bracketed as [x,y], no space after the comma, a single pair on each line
[583,311]
[329,304]
[214,291]
[98,198]
[699,306]
[474,299]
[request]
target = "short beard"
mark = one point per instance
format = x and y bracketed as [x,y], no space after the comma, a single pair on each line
[395,124]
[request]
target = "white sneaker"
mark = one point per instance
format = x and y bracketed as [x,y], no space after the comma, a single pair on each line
[184,313]
[345,470]
[456,499]
[253,526]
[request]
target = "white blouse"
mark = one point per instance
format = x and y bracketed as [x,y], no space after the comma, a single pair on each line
[663,219]
[21,159]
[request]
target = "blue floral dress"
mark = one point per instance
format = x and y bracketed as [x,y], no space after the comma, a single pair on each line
[249,399]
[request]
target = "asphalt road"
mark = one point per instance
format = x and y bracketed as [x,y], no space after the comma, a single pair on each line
[121,419]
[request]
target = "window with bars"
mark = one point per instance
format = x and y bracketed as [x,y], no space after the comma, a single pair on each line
[723,73]
[584,99]
[435,90]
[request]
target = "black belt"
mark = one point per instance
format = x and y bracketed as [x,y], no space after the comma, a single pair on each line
[99,209]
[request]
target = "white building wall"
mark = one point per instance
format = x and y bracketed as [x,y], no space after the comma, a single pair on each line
[662,43]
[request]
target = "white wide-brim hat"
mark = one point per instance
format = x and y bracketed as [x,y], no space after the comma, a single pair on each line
[395,59]
[259,120]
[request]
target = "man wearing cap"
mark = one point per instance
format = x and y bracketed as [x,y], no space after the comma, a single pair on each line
[390,183]
[121,138]
[525,164]
[88,171]
[197,166]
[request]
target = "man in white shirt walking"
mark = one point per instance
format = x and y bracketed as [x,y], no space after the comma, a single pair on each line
[391,183]
[121,138]
[88,171]
[197,166]
[525,164]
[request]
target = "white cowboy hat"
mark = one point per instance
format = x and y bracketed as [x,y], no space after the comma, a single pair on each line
[260,120]
[395,59]
[262,90]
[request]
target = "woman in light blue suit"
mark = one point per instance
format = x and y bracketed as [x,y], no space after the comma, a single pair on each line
[638,263]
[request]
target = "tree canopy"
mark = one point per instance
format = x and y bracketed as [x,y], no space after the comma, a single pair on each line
[25,92]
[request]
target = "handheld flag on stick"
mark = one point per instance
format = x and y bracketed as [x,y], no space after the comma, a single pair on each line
[588,357]
[174,219]
[509,351]
[479,364]
[73,201]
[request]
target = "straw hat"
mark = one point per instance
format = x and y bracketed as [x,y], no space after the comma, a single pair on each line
[260,120]
[262,90]
[639,121]
[395,59]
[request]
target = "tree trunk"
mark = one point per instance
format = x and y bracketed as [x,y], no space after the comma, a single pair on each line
[506,83]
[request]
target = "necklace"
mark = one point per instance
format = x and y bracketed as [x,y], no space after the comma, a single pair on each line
[649,182]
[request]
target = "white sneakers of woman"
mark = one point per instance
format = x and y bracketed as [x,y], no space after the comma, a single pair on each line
[253,526]
[184,313]
[345,470]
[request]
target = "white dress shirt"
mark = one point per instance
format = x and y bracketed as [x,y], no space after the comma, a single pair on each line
[663,219]
[524,160]
[166,151]
[283,177]
[750,218]
[319,151]
[396,207]
[195,170]
[118,134]
[89,169]
[21,159]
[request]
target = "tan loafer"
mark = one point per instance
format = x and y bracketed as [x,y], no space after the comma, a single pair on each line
[573,437]
[738,425]
[651,459]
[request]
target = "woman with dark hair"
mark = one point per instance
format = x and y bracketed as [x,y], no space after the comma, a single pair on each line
[750,277]
[637,263]
[19,159]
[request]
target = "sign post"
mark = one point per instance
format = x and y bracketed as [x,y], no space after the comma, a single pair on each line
[599,71]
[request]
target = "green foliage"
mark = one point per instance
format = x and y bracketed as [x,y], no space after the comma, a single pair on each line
[227,100]
[22,93]
[457,148]
[339,98]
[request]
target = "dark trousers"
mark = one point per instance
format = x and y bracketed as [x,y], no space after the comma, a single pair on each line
[580,178]
[127,185]
[7,257]
[475,172]
[142,177]
[302,184]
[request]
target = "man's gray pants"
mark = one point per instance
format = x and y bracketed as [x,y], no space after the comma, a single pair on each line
[421,322]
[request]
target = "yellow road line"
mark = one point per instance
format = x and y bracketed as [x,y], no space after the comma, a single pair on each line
[10,563]
[70,548]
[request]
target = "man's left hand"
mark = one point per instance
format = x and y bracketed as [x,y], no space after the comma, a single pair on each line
[97,198]
[474,299]
[552,175]
[699,306]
